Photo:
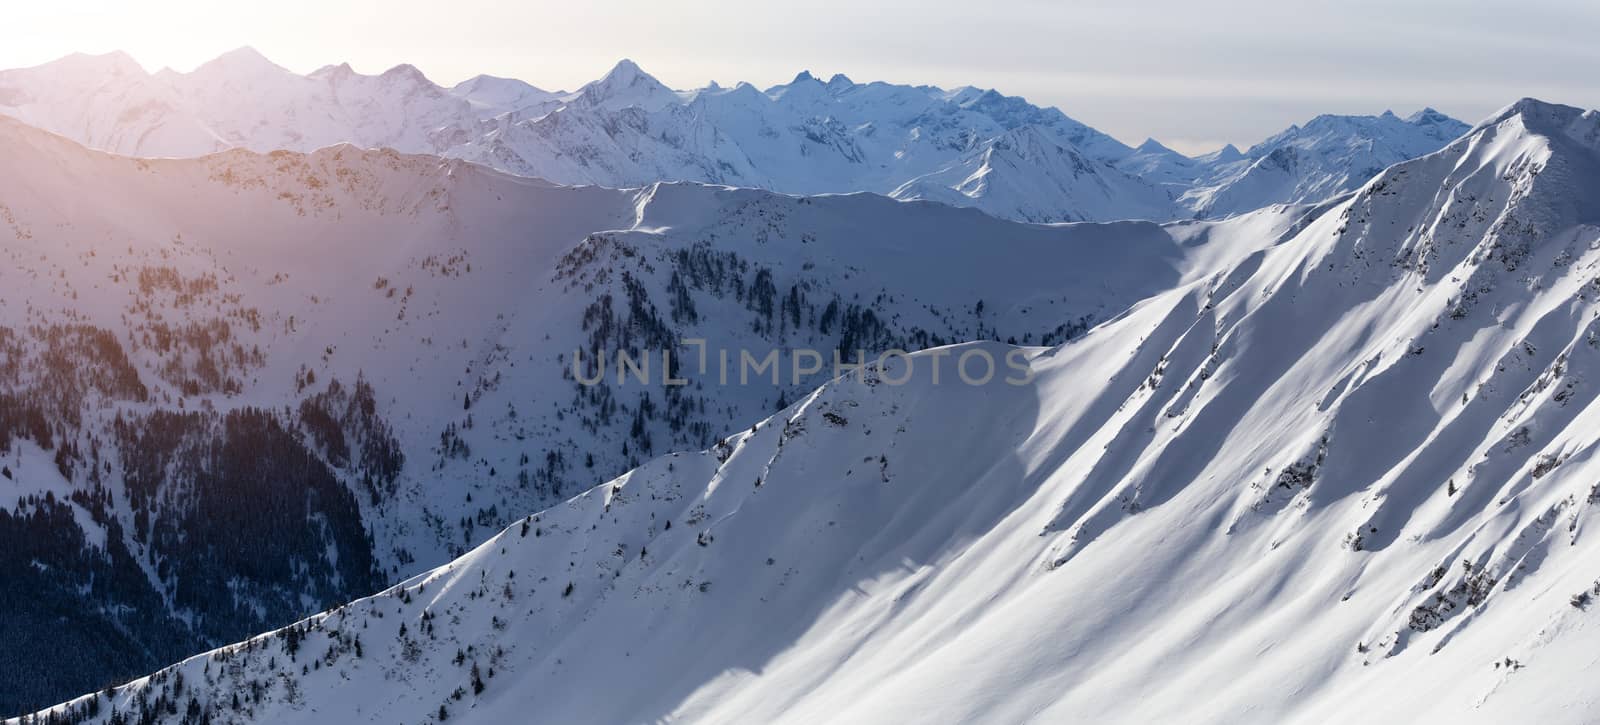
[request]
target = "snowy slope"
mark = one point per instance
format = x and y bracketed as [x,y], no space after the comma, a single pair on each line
[967,147]
[1341,471]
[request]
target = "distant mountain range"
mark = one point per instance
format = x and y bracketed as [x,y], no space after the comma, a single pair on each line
[966,147]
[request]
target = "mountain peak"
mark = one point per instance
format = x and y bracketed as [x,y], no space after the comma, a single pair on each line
[1552,120]
[625,72]
[840,81]
[804,89]
[499,94]
[1228,154]
[1426,116]
[340,69]
[243,59]
[244,54]
[1534,108]
[626,84]
[405,71]
[1152,146]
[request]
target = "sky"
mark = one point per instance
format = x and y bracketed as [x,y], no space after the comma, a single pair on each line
[1193,75]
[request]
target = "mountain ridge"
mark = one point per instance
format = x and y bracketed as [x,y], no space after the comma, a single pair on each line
[628,130]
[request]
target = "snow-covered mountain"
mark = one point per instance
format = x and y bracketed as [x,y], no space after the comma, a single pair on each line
[1340,468]
[496,95]
[963,147]
[967,146]
[366,359]
[1024,174]
[1330,155]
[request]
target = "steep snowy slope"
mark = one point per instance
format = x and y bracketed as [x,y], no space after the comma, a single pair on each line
[401,330]
[1348,476]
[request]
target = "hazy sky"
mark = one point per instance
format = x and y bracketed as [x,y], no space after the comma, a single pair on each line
[1193,74]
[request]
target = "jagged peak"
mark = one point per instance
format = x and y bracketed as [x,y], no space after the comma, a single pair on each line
[840,81]
[625,73]
[1429,116]
[1229,153]
[987,96]
[805,87]
[1152,146]
[628,83]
